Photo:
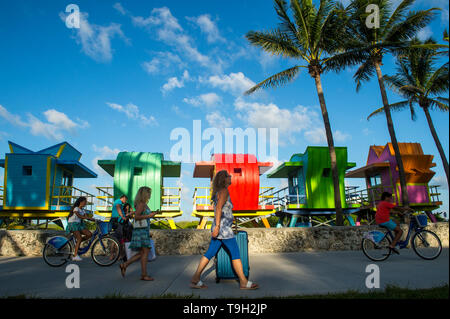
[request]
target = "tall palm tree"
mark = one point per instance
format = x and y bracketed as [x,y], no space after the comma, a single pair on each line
[311,36]
[420,82]
[397,27]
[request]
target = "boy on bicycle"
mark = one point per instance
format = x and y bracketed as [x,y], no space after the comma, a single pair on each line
[382,218]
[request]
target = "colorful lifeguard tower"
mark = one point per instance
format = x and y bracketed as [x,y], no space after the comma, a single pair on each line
[130,171]
[381,175]
[245,190]
[308,200]
[39,185]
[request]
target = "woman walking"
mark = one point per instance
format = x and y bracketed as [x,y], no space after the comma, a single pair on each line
[76,226]
[222,233]
[140,239]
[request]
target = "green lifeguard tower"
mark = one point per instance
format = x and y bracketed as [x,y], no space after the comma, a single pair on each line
[132,170]
[309,196]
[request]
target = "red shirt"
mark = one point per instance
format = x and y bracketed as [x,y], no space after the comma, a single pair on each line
[383,212]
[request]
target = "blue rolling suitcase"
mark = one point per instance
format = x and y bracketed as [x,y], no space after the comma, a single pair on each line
[224,268]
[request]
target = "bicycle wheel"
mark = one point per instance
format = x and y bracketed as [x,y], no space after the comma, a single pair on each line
[376,251]
[57,257]
[427,244]
[105,251]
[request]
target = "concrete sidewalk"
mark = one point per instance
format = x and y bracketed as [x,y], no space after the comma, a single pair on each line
[285,274]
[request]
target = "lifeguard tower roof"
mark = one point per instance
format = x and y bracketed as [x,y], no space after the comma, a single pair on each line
[66,155]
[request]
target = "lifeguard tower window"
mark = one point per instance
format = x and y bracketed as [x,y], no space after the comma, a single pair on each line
[27,171]
[137,171]
[237,171]
[67,179]
[375,180]
[326,172]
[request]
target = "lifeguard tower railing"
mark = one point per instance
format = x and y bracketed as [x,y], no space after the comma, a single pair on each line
[170,198]
[282,199]
[368,197]
[203,207]
[170,204]
[64,197]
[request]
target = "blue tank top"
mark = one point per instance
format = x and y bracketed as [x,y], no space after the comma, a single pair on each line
[226,219]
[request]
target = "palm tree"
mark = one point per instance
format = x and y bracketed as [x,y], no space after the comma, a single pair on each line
[420,82]
[312,36]
[397,27]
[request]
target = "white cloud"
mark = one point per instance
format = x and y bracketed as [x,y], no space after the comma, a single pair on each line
[171,84]
[216,119]
[317,135]
[133,113]
[162,62]
[425,33]
[103,153]
[174,82]
[57,123]
[119,8]
[208,99]
[95,40]
[234,83]
[208,27]
[289,122]
[439,180]
[13,119]
[59,119]
[169,31]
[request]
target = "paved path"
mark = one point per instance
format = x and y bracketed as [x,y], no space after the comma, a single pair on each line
[278,275]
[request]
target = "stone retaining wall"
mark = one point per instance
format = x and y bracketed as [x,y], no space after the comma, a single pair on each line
[195,242]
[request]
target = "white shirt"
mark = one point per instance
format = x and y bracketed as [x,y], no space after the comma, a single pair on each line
[74,218]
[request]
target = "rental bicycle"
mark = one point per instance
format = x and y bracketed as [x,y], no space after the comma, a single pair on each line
[105,248]
[425,243]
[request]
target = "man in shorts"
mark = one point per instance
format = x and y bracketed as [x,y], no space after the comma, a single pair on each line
[383,218]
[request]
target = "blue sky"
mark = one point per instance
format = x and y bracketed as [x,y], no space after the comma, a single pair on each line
[136,70]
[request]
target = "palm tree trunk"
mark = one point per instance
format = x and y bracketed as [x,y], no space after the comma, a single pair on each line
[437,141]
[334,169]
[390,124]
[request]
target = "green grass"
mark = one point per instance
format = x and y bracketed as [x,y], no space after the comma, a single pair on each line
[391,292]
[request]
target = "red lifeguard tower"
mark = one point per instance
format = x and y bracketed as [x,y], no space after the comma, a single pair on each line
[245,190]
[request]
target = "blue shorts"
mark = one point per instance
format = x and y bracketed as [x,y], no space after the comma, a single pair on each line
[230,245]
[391,225]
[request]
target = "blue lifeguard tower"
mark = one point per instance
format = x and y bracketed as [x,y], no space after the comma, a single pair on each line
[39,185]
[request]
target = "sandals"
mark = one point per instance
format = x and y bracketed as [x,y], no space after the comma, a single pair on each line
[123,269]
[250,286]
[147,278]
[198,285]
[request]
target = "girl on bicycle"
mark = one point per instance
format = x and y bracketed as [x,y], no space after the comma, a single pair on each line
[140,239]
[76,225]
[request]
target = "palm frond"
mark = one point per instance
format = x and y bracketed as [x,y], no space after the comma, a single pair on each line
[364,73]
[413,23]
[438,83]
[440,105]
[274,42]
[398,14]
[393,107]
[276,80]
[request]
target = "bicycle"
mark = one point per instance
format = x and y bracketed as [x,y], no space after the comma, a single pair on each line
[105,248]
[425,243]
